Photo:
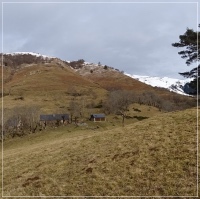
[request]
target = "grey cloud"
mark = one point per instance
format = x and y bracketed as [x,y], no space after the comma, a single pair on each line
[135,38]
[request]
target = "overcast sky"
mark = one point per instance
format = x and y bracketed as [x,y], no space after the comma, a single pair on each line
[133,37]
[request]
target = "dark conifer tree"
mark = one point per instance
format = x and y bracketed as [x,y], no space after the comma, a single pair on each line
[190,40]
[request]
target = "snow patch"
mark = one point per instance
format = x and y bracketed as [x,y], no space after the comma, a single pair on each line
[29,53]
[174,85]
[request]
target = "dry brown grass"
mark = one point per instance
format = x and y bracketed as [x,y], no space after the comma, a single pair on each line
[110,80]
[47,86]
[40,79]
[153,157]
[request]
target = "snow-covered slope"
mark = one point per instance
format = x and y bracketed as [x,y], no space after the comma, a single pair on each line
[29,53]
[174,85]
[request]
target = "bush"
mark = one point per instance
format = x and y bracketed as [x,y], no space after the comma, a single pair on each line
[19,98]
[105,67]
[21,121]
[19,59]
[81,61]
[77,64]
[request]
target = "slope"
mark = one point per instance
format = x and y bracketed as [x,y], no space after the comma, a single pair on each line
[155,157]
[113,79]
[45,77]
[110,78]
[43,81]
[51,83]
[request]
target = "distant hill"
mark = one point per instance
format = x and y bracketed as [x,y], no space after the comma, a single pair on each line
[52,83]
[45,81]
[31,71]
[110,78]
[25,67]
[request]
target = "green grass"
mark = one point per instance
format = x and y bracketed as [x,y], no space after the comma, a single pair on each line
[152,157]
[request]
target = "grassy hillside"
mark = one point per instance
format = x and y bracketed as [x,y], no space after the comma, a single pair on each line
[45,77]
[52,83]
[112,79]
[153,157]
[49,86]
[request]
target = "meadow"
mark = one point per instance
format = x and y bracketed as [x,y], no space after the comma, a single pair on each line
[153,157]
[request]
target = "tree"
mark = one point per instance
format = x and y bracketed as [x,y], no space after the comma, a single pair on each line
[191,53]
[75,110]
[105,67]
[118,102]
[21,120]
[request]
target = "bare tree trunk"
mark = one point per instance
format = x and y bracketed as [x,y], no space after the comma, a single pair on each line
[76,120]
[71,117]
[35,128]
[123,117]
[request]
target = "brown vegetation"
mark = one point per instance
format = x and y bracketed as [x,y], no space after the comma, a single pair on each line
[153,157]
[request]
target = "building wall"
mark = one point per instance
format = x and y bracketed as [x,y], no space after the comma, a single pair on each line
[98,119]
[53,123]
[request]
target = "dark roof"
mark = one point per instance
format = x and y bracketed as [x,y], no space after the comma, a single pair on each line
[54,117]
[101,115]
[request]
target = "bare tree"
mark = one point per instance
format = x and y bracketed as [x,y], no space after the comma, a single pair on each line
[118,102]
[75,110]
[21,120]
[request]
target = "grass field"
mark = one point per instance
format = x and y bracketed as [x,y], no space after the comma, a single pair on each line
[153,157]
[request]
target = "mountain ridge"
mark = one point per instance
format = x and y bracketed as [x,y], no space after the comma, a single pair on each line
[171,84]
[105,76]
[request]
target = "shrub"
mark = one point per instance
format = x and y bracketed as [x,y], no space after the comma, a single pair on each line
[21,121]
[105,67]
[19,98]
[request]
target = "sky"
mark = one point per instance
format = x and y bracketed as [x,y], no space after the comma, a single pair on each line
[134,37]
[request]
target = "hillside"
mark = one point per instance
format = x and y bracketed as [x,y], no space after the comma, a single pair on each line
[153,157]
[28,73]
[36,72]
[47,82]
[110,78]
[50,84]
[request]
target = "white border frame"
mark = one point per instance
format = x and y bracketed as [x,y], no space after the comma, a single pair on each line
[197,5]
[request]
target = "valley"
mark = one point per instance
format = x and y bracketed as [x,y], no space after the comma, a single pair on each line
[146,147]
